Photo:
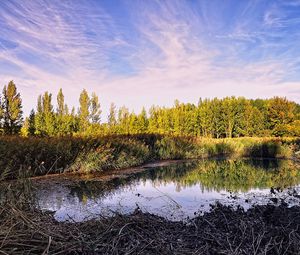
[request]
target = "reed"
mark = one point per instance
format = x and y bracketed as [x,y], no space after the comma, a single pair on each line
[35,156]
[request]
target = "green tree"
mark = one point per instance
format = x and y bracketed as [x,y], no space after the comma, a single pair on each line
[123,120]
[12,109]
[133,124]
[177,118]
[44,121]
[48,113]
[153,119]
[206,115]
[232,115]
[60,103]
[95,109]
[281,112]
[253,121]
[65,121]
[112,121]
[142,122]
[218,125]
[243,112]
[294,128]
[84,113]
[72,121]
[39,118]
[262,106]
[31,123]
[25,128]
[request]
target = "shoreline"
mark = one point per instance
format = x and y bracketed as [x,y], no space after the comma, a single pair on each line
[124,172]
[109,175]
[34,157]
[265,229]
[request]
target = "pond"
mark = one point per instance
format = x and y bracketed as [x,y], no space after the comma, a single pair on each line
[176,191]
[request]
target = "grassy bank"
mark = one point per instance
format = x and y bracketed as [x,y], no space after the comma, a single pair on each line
[39,156]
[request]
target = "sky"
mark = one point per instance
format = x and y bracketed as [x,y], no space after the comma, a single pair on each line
[147,52]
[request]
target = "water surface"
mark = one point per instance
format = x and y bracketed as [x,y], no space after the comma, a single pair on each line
[176,191]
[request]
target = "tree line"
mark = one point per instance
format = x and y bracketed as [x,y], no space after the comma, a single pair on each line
[215,118]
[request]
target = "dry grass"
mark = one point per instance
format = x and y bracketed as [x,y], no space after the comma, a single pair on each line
[261,230]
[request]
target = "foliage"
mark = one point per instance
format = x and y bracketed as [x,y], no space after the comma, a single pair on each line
[95,109]
[83,114]
[211,118]
[11,109]
[280,112]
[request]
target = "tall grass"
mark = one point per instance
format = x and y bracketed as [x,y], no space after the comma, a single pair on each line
[40,156]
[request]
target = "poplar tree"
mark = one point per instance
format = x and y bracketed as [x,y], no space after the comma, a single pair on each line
[28,128]
[189,120]
[95,108]
[39,118]
[133,127]
[12,109]
[142,122]
[25,128]
[206,115]
[73,122]
[231,113]
[44,118]
[112,121]
[153,119]
[60,114]
[218,125]
[124,120]
[227,117]
[48,112]
[60,103]
[84,105]
[177,118]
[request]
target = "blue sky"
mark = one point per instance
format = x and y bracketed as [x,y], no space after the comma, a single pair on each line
[144,52]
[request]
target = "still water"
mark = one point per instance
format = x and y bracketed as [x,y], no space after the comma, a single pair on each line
[177,191]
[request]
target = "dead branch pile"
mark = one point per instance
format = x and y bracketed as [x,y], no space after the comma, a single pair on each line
[260,230]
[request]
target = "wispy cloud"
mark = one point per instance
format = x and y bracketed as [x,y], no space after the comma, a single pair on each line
[150,52]
[178,60]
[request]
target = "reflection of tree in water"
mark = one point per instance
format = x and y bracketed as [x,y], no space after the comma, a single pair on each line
[224,174]
[242,175]
[230,175]
[92,189]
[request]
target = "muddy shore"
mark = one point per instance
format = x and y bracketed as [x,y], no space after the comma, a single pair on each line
[261,230]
